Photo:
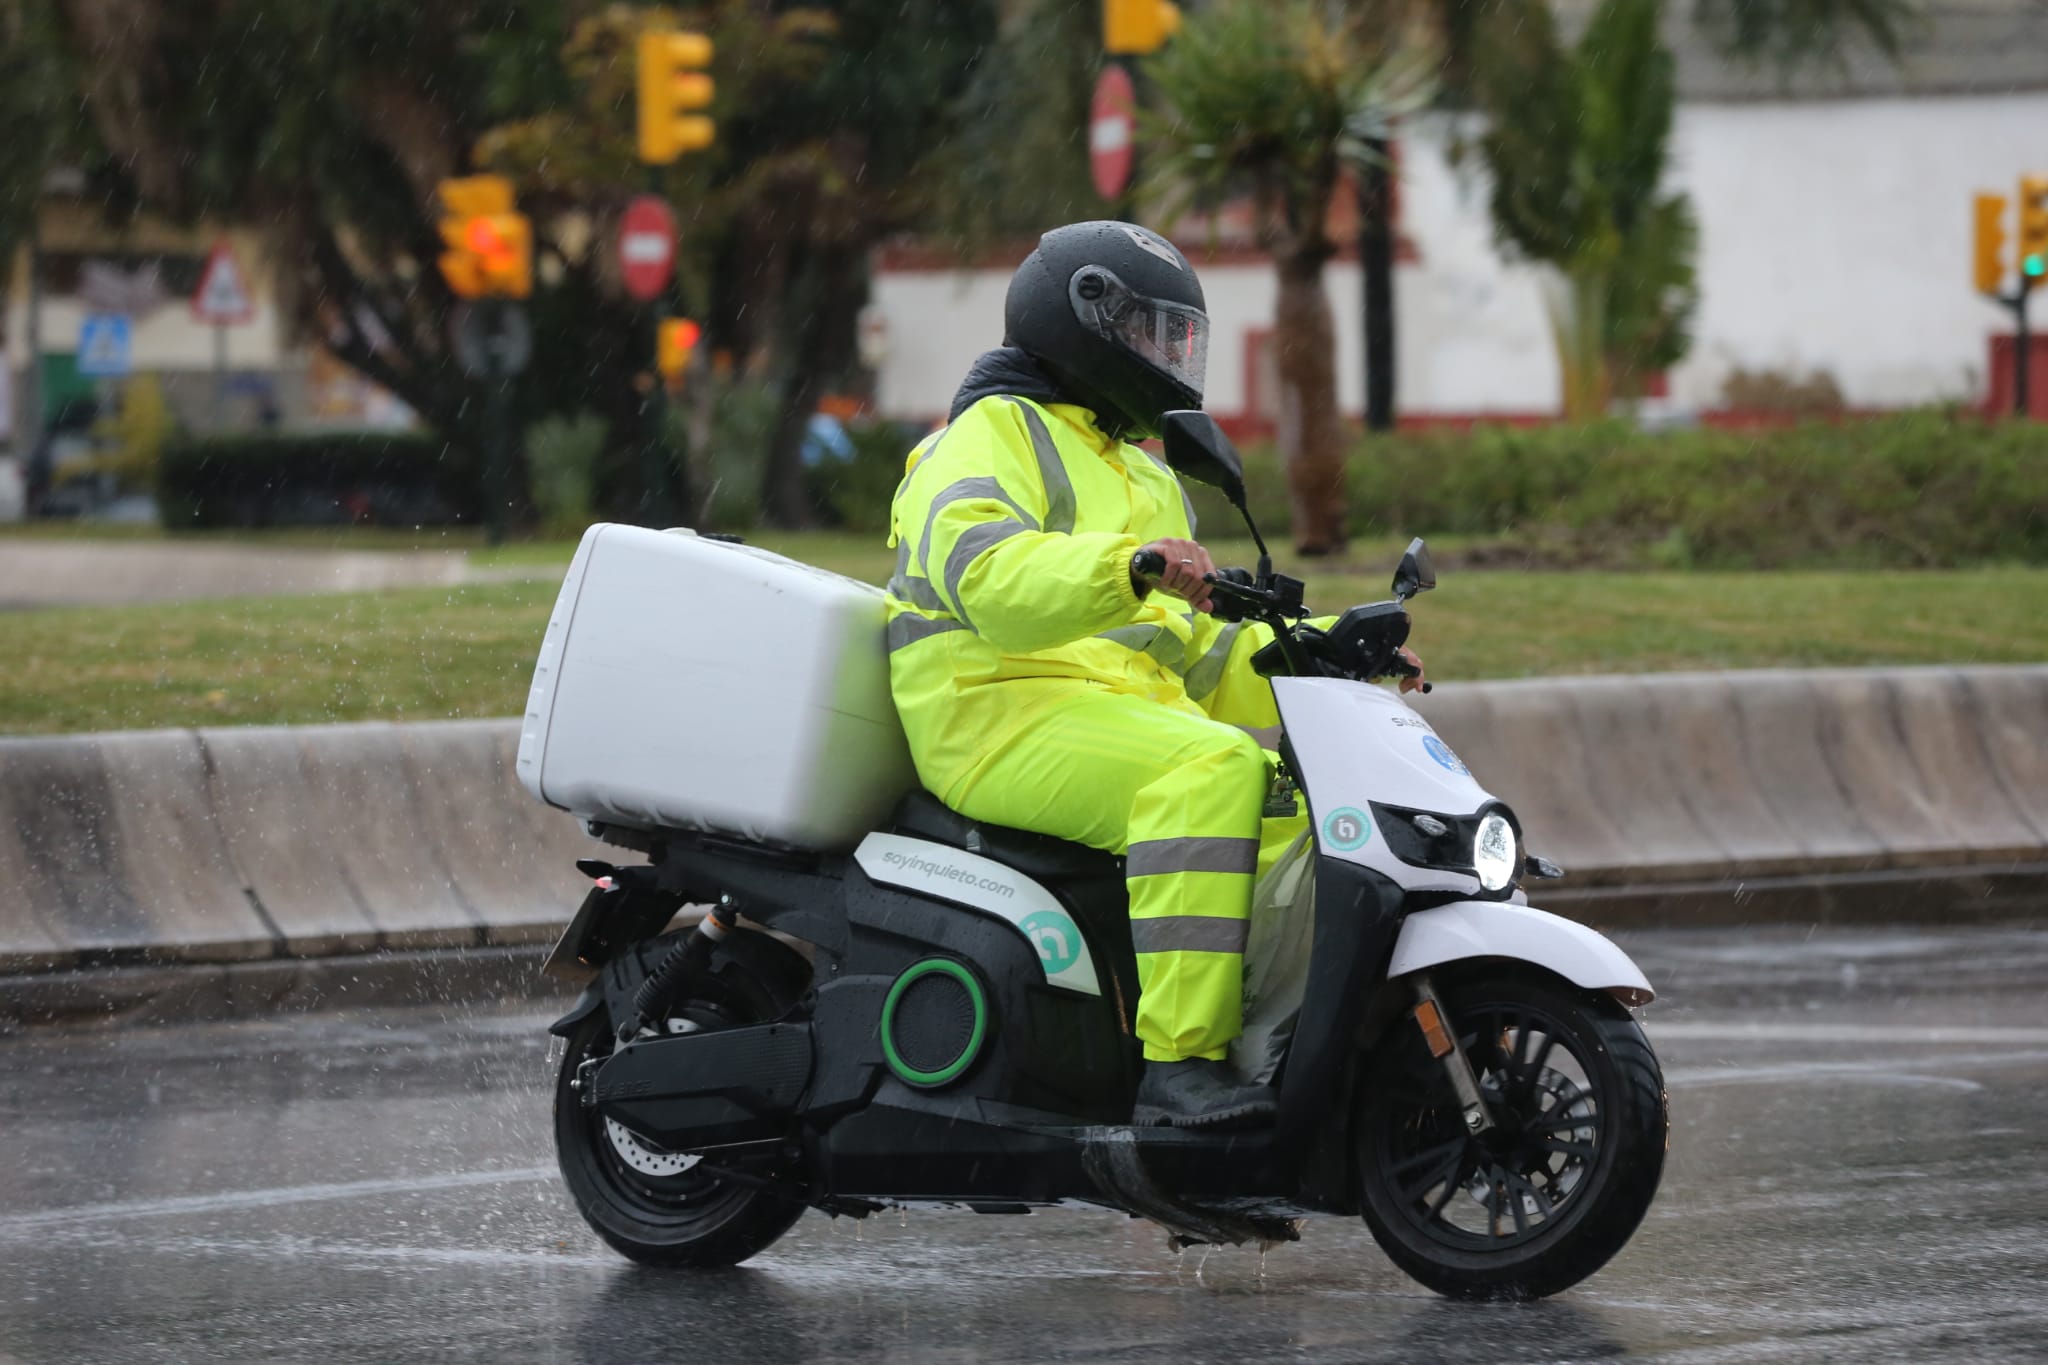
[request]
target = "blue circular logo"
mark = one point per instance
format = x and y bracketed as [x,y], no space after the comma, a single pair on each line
[1346,828]
[1056,937]
[1441,752]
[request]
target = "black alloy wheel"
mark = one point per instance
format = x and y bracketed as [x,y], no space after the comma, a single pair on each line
[1560,1182]
[663,1207]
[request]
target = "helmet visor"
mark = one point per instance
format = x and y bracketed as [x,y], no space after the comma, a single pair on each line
[1173,338]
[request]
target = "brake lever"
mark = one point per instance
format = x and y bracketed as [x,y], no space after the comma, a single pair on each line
[1401,668]
[1231,598]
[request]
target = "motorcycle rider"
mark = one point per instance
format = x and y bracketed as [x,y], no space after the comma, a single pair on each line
[1042,686]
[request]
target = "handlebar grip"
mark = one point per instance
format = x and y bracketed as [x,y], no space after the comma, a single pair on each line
[1148,564]
[1401,668]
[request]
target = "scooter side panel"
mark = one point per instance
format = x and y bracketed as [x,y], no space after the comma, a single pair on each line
[1469,929]
[1051,1059]
[983,884]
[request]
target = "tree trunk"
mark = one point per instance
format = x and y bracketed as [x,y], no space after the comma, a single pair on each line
[1582,350]
[1577,305]
[618,470]
[824,307]
[1376,280]
[785,494]
[700,402]
[1311,432]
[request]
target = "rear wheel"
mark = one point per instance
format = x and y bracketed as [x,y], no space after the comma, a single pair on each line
[663,1207]
[1558,1185]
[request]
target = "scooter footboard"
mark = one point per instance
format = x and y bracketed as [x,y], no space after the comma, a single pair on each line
[1470,929]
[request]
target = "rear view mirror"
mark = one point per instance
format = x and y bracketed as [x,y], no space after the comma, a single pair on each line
[1416,573]
[1196,448]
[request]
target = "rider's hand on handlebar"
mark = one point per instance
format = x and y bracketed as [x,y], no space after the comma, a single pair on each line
[1187,566]
[1415,682]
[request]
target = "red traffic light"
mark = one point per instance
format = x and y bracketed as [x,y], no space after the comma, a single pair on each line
[675,339]
[486,241]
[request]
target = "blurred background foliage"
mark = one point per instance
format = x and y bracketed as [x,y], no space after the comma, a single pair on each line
[842,123]
[1270,98]
[1918,489]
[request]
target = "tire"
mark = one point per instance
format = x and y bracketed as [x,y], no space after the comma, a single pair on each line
[658,1207]
[1559,1187]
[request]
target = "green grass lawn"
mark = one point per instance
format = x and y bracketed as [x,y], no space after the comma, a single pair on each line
[438,652]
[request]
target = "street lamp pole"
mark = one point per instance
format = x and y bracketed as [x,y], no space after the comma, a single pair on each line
[2022,347]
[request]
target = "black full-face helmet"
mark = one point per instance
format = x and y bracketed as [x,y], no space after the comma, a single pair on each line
[1115,313]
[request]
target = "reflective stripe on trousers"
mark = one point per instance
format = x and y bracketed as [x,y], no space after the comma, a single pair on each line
[1182,796]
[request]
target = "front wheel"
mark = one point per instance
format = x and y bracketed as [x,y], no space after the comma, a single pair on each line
[661,1207]
[1558,1185]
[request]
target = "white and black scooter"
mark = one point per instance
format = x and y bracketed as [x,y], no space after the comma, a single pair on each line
[1464,1071]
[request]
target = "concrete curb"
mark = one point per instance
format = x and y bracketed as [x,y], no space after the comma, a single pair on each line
[239,845]
[1839,796]
[1642,786]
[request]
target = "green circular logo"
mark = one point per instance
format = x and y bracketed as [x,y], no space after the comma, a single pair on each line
[1057,938]
[1346,829]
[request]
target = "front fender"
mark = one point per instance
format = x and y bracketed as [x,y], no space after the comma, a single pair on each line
[587,1004]
[1469,929]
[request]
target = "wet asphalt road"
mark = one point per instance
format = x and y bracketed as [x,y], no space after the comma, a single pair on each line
[1856,1174]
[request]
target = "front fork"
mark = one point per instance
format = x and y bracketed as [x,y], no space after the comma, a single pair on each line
[1441,1037]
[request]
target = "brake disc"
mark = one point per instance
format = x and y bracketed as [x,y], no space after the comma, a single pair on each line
[644,1158]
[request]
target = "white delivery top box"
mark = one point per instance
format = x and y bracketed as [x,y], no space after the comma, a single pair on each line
[693,684]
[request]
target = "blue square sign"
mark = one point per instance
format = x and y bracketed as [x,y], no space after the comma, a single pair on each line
[105,346]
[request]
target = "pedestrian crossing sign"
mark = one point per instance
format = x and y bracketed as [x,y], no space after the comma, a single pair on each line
[105,346]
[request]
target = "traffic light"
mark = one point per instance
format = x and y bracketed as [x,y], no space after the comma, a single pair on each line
[1132,28]
[490,247]
[1990,243]
[502,245]
[674,341]
[671,86]
[2033,239]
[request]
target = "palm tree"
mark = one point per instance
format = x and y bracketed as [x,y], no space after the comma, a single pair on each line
[1575,144]
[1270,97]
[1786,34]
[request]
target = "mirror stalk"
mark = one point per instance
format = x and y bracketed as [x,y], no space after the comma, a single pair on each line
[1265,573]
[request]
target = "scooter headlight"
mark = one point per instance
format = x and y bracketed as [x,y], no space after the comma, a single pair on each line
[1494,855]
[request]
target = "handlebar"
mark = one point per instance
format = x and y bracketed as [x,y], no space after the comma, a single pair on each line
[1239,595]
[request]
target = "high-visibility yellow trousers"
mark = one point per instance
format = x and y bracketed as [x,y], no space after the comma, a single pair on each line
[1181,797]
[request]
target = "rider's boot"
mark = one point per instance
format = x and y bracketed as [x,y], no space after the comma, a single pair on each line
[1198,1093]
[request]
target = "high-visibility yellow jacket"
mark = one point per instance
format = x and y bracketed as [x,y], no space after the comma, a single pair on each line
[1014,528]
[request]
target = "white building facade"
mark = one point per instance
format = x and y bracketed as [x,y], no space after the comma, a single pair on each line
[1835,237]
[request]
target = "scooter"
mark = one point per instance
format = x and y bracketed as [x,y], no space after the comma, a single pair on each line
[943,1015]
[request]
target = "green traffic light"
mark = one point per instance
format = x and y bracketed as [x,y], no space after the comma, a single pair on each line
[2034,267]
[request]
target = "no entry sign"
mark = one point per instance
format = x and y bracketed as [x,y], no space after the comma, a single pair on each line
[1112,129]
[647,247]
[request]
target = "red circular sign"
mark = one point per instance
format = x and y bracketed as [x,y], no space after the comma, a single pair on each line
[1112,128]
[647,247]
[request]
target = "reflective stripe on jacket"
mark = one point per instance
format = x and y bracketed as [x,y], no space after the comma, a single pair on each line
[1014,529]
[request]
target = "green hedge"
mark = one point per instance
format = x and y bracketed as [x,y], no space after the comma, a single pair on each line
[318,478]
[1916,489]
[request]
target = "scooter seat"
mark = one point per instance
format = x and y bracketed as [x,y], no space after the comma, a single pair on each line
[1038,856]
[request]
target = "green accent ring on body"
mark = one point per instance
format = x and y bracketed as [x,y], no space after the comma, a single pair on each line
[904,1070]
